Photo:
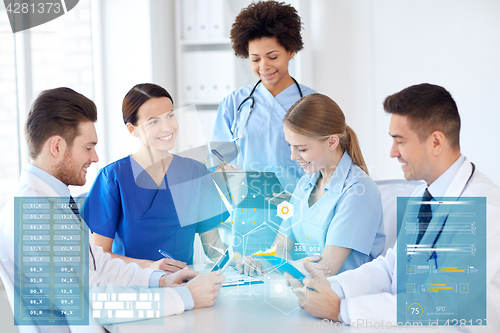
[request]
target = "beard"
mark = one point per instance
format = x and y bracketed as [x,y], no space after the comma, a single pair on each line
[69,172]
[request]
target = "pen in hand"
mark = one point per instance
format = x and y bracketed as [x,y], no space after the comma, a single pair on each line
[221,158]
[171,265]
[165,254]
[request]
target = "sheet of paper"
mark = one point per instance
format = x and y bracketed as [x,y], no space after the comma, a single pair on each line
[232,276]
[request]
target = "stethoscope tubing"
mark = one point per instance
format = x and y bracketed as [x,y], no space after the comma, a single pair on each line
[252,99]
[434,254]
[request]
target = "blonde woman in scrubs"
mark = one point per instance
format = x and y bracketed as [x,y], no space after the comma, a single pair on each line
[337,206]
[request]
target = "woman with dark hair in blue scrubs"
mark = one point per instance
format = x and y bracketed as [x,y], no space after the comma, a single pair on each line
[153,200]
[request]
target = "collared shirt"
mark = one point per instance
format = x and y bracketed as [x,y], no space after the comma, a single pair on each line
[62,190]
[348,215]
[439,187]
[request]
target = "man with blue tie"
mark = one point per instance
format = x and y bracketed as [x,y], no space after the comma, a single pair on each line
[425,127]
[61,139]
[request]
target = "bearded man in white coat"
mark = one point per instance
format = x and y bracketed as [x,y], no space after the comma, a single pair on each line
[61,139]
[425,126]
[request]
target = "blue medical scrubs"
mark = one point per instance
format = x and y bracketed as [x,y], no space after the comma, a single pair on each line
[263,148]
[348,215]
[125,204]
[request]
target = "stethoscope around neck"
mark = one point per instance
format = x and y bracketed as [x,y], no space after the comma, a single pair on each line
[252,104]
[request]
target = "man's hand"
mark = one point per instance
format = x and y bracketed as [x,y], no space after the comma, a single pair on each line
[178,278]
[204,288]
[168,265]
[316,295]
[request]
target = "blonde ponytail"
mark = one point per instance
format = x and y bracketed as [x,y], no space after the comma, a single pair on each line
[349,142]
[318,116]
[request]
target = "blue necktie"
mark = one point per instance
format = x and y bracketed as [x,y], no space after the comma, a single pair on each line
[74,208]
[424,215]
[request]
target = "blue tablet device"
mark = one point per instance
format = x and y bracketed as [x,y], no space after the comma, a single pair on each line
[284,266]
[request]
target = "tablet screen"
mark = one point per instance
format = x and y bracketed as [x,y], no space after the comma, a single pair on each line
[224,260]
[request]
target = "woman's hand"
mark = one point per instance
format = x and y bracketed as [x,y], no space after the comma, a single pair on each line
[168,265]
[247,265]
[278,198]
[313,261]
[226,167]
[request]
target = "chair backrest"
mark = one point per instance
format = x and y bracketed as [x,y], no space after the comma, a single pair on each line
[390,190]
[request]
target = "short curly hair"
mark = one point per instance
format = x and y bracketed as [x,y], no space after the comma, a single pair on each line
[267,19]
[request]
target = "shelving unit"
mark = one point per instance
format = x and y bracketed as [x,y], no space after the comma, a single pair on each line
[203,48]
[196,42]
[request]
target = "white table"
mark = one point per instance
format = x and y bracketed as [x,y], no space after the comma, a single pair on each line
[255,309]
[248,308]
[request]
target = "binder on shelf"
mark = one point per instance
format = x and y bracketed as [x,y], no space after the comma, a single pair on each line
[188,19]
[207,76]
[188,79]
[221,74]
[215,74]
[216,19]
[203,79]
[202,19]
[229,60]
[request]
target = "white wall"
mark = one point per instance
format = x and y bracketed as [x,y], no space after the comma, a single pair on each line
[363,51]
[126,61]
[163,45]
[133,39]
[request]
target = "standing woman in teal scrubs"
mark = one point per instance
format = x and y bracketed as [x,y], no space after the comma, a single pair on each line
[154,200]
[268,34]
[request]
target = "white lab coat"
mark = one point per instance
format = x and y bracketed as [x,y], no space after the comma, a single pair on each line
[109,272]
[370,290]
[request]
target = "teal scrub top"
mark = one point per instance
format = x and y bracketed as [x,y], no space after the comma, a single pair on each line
[348,215]
[263,146]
